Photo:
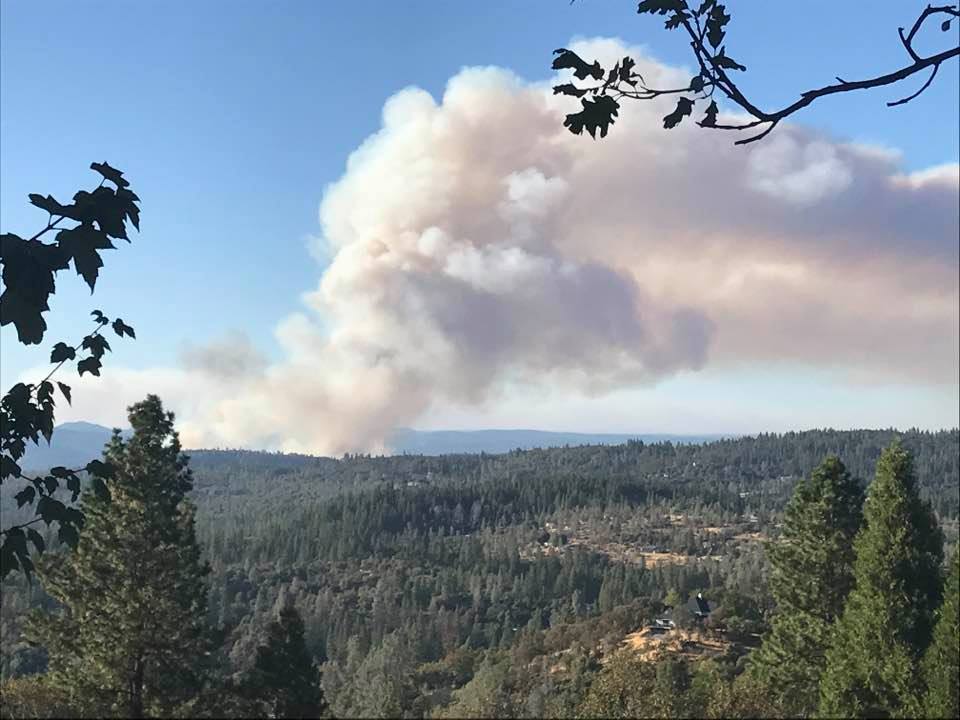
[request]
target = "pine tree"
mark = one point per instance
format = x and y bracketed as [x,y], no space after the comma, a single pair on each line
[941,664]
[872,666]
[130,637]
[812,574]
[284,676]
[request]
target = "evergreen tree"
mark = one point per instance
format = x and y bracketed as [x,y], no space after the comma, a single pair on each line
[812,574]
[487,695]
[872,665]
[941,664]
[285,677]
[129,639]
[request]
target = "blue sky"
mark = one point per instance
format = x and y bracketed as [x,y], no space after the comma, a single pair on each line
[230,119]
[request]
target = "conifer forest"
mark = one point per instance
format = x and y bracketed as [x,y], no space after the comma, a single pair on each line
[516,359]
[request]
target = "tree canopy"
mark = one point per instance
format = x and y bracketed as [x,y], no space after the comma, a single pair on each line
[27,410]
[130,638]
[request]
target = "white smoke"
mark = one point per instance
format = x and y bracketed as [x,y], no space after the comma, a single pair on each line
[474,241]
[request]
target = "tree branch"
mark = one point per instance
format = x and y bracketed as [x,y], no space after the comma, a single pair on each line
[20,527]
[100,327]
[923,87]
[706,25]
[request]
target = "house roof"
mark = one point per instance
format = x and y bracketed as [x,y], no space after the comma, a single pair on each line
[698,605]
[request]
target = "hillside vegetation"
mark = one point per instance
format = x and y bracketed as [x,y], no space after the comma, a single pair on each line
[512,584]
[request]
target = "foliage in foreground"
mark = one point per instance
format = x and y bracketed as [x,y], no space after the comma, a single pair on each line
[30,267]
[873,665]
[448,619]
[941,665]
[705,25]
[130,638]
[812,574]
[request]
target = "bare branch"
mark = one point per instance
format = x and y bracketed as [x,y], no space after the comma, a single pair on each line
[930,10]
[758,137]
[923,87]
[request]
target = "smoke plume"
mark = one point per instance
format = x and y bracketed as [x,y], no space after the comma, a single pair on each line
[473,241]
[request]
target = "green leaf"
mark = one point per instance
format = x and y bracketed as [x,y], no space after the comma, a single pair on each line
[37,540]
[127,199]
[683,109]
[98,468]
[119,327]
[46,203]
[72,516]
[50,483]
[50,510]
[65,389]
[25,496]
[61,351]
[69,535]
[596,114]
[660,7]
[710,116]
[16,447]
[83,209]
[675,20]
[715,24]
[110,173]
[727,63]
[61,472]
[27,564]
[73,485]
[8,561]
[15,544]
[110,212]
[581,69]
[82,244]
[568,89]
[8,468]
[28,278]
[45,393]
[612,76]
[96,344]
[100,489]
[626,71]
[91,365]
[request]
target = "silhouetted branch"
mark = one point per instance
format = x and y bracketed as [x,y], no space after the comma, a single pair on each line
[20,527]
[922,88]
[705,28]
[100,327]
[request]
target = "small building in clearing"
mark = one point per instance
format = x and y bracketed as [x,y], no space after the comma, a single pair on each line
[699,607]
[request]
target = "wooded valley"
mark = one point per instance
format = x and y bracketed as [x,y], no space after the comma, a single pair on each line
[542,583]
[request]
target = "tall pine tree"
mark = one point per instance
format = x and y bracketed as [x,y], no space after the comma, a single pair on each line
[941,665]
[873,664]
[811,576]
[285,679]
[129,639]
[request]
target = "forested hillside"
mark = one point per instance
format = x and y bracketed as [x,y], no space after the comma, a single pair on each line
[432,585]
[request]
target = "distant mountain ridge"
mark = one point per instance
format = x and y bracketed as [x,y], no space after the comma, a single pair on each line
[445,442]
[75,444]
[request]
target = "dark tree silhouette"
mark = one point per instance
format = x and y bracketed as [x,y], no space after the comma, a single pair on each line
[27,410]
[128,635]
[705,28]
[285,680]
